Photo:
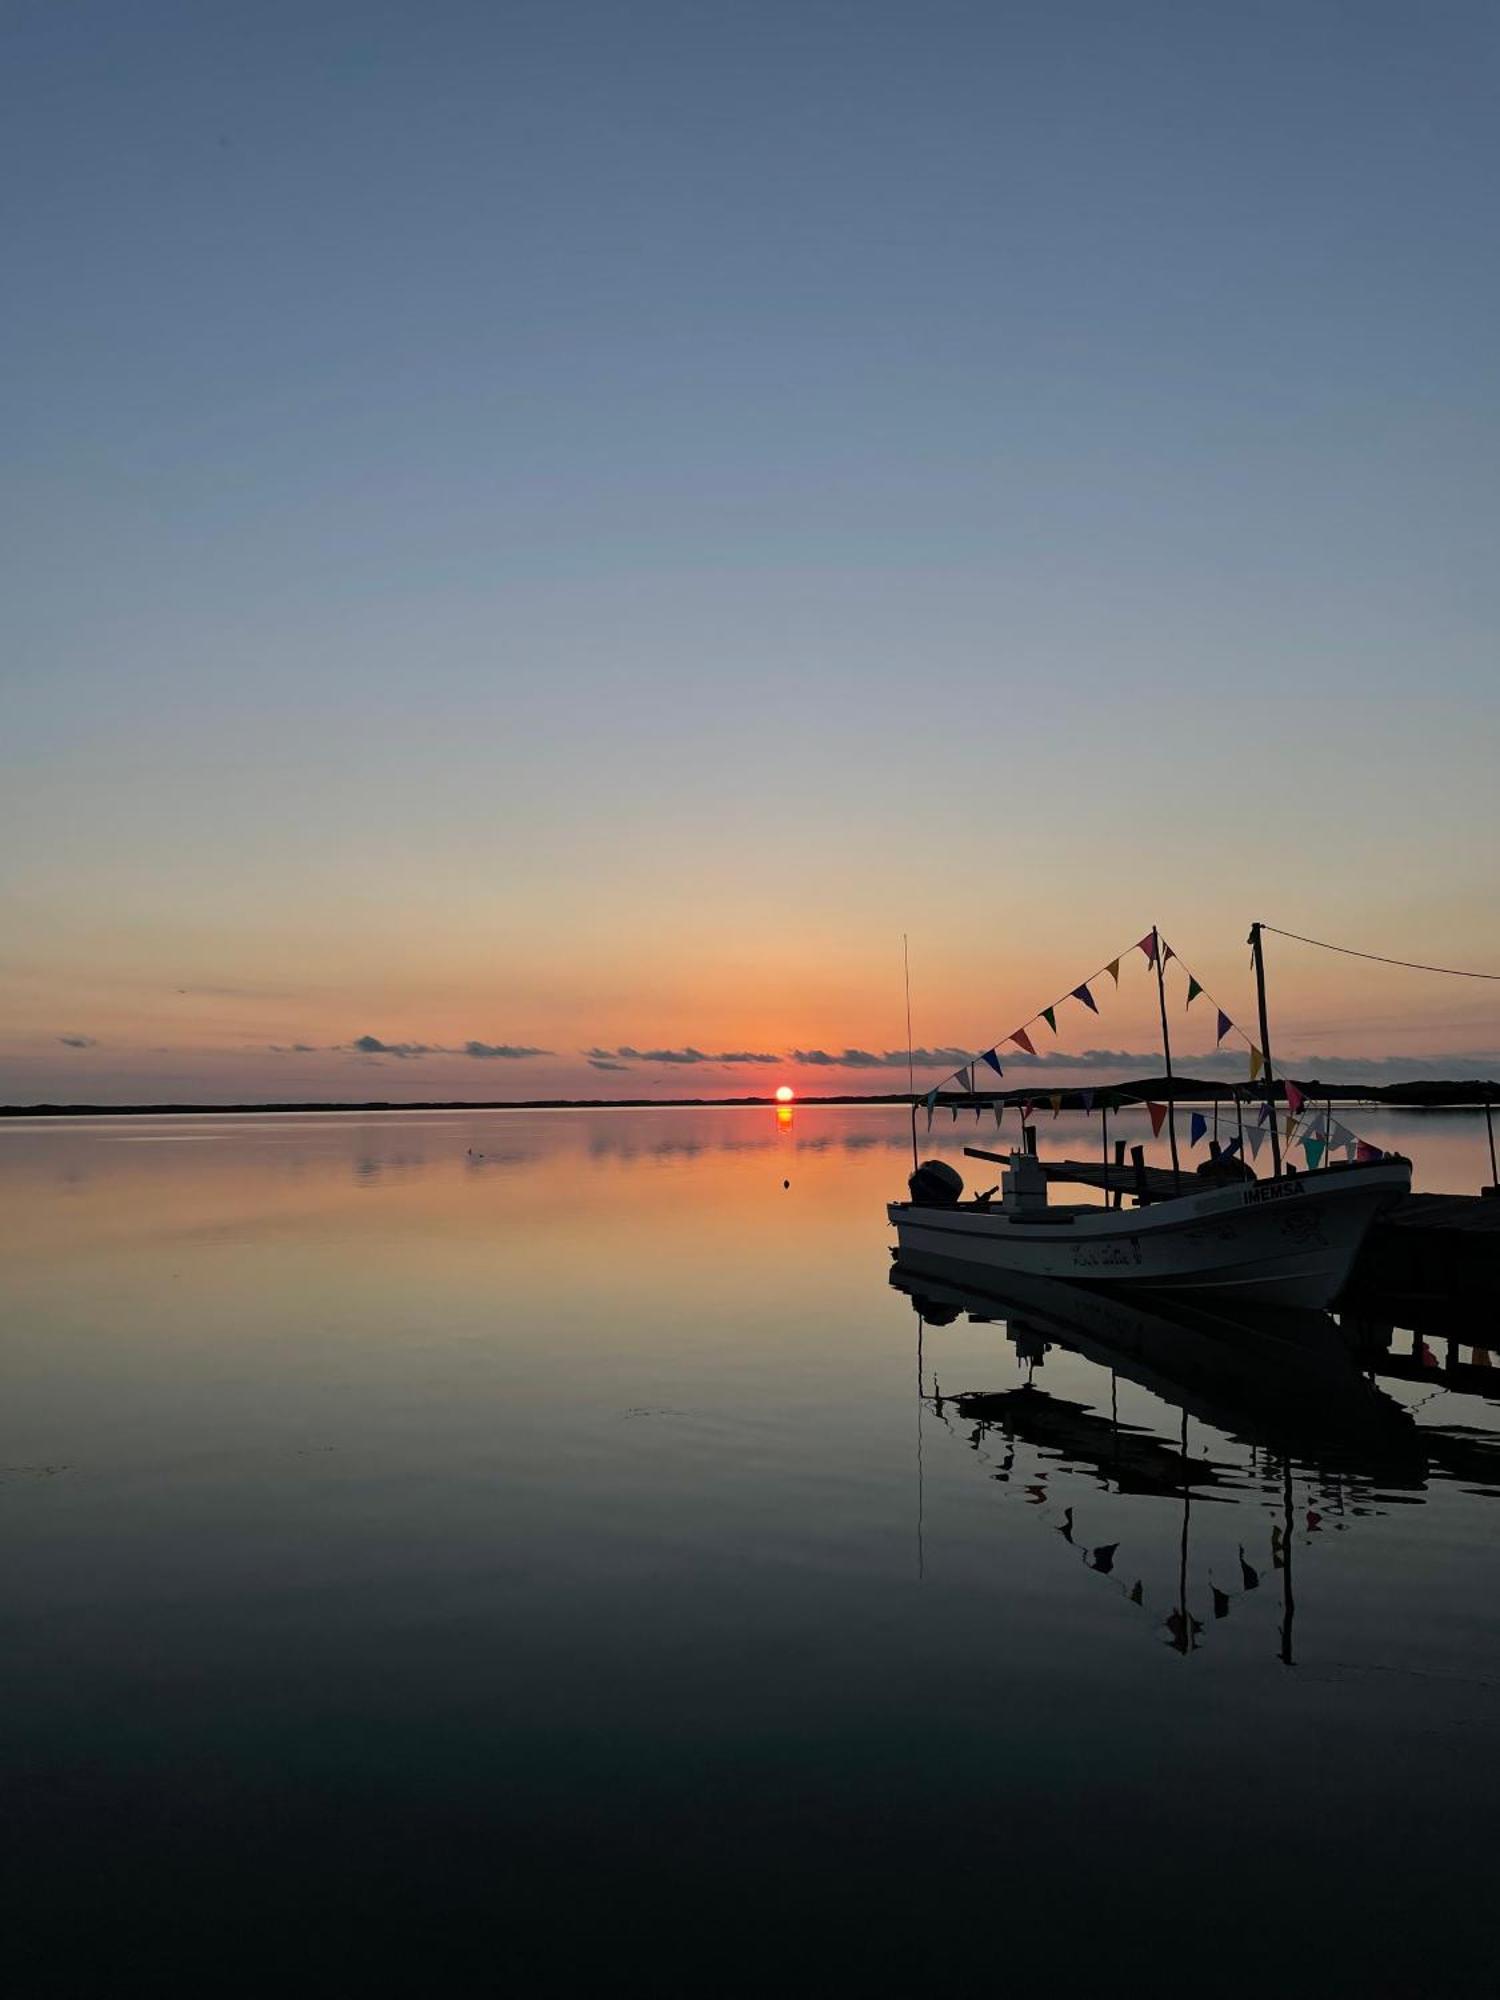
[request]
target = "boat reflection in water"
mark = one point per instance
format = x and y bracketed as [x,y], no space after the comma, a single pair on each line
[1290,1418]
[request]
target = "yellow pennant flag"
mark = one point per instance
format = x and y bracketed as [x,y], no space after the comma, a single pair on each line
[1056,1101]
[1113,969]
[1257,1061]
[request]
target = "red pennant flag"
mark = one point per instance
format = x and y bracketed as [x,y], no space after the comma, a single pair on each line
[1082,993]
[1158,1118]
[1148,945]
[1167,953]
[1295,1100]
[1022,1041]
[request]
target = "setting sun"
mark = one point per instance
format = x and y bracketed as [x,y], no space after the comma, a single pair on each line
[785,1094]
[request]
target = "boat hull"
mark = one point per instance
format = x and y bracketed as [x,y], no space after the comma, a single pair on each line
[1285,1242]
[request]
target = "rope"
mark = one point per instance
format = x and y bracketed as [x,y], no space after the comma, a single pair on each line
[1410,965]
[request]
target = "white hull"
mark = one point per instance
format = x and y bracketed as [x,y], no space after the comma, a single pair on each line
[1284,1242]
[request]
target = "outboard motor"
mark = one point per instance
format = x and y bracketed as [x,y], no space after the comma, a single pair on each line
[935,1185]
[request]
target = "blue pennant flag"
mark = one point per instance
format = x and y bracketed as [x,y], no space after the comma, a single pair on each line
[994,1061]
[1197,1128]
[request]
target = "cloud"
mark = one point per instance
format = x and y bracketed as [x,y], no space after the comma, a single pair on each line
[78,1041]
[948,1059]
[372,1045]
[731,1058]
[603,1062]
[291,1048]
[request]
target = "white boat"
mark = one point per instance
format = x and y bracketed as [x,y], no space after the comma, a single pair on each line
[1288,1241]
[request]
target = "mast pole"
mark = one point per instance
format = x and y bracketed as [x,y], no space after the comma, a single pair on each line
[1166,1051]
[1258,954]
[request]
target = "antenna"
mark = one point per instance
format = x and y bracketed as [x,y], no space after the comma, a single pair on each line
[911,1074]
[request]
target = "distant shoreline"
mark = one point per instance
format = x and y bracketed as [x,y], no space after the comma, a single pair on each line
[435,1104]
[1427,1095]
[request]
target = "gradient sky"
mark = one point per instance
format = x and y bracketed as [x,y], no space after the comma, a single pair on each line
[572,526]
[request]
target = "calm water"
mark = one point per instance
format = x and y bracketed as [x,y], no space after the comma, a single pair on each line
[463,1552]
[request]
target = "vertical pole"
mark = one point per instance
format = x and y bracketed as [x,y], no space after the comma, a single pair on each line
[1104,1147]
[1166,1052]
[1489,1126]
[1265,1045]
[1288,1602]
[911,1074]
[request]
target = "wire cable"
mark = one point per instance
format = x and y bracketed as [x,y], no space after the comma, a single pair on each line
[1409,965]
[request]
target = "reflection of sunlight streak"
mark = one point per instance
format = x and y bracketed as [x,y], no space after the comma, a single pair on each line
[784,1116]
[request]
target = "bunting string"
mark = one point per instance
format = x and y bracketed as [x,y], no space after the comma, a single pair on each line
[1320,1135]
[1081,993]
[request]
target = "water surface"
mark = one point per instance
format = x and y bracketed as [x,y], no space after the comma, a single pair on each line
[455,1551]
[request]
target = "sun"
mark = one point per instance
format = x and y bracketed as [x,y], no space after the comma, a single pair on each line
[785,1094]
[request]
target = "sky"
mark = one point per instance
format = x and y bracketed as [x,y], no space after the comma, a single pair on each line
[533,531]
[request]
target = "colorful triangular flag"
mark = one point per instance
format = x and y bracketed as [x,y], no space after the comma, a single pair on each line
[1147,944]
[1314,1149]
[1113,969]
[1257,1139]
[1194,989]
[993,1060]
[1294,1097]
[1022,1041]
[1055,1100]
[1158,1118]
[1049,1015]
[1197,1126]
[1225,1024]
[1088,1099]
[1082,993]
[1257,1062]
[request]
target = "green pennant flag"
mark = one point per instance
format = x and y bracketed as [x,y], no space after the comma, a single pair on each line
[1194,989]
[1049,1015]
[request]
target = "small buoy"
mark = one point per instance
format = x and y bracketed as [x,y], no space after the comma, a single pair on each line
[786,1184]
